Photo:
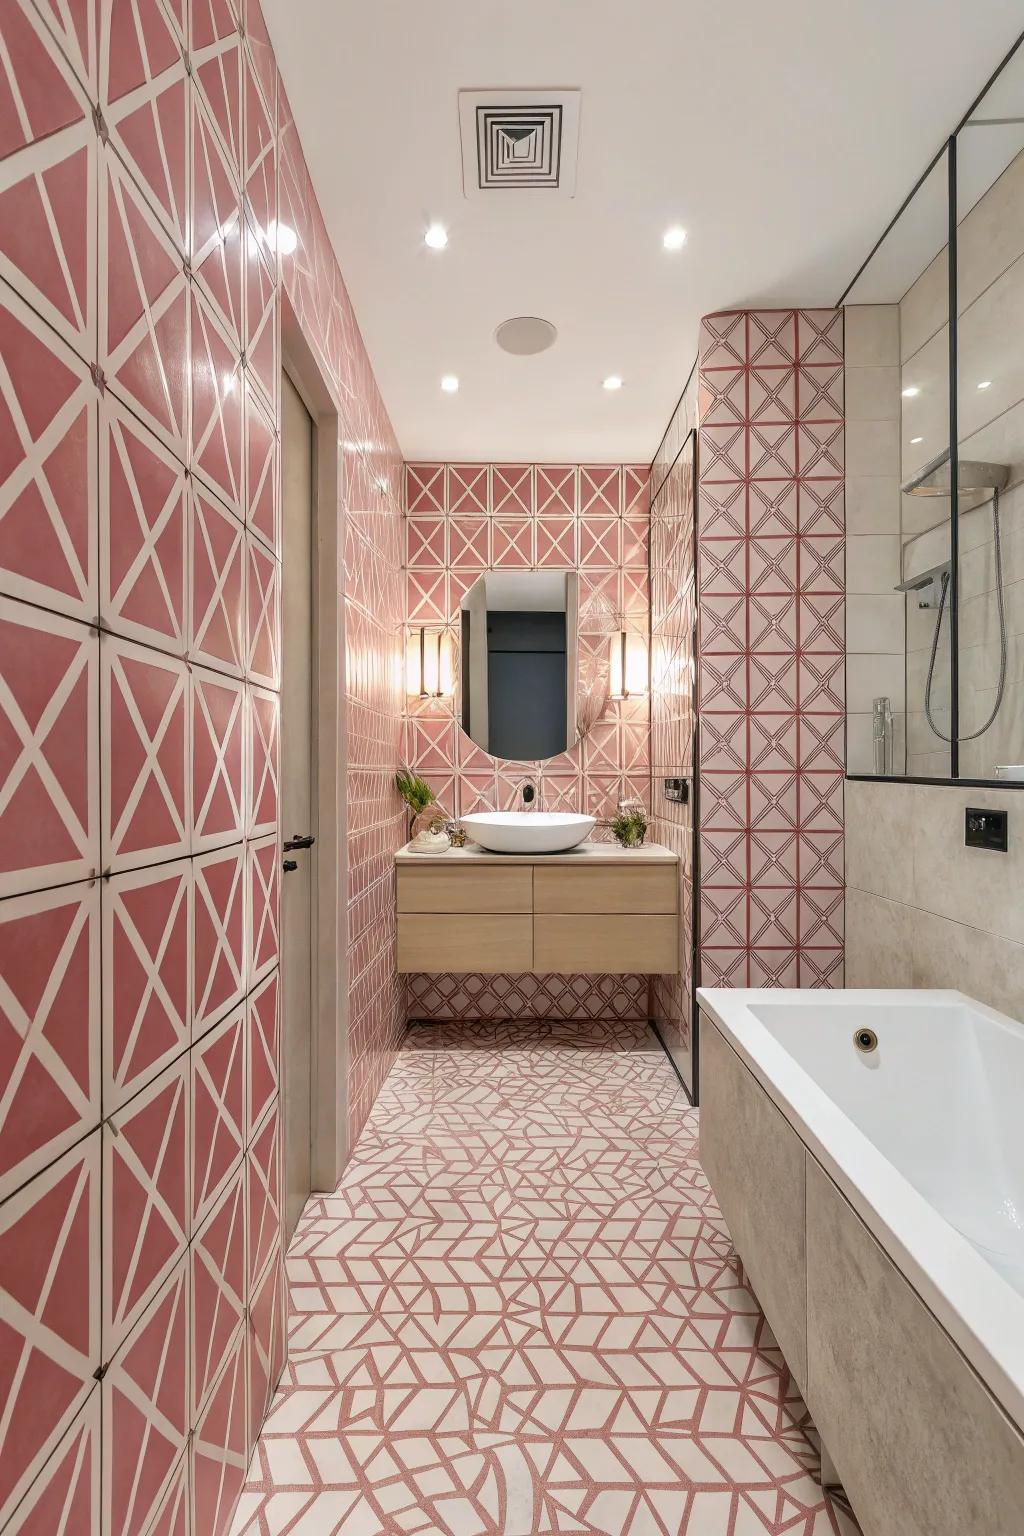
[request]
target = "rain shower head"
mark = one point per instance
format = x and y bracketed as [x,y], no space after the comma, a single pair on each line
[936,478]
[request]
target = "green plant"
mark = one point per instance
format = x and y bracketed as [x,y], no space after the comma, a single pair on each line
[416,792]
[629,826]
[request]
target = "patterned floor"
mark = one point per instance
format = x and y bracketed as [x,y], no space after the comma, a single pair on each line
[520,1313]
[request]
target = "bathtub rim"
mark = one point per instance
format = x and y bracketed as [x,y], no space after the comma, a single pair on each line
[979,1310]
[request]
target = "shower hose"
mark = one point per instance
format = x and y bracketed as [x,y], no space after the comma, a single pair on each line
[1001,685]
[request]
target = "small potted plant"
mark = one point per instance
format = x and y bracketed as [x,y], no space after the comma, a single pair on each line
[629,826]
[427,831]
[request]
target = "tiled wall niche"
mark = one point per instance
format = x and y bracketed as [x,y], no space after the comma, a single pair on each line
[771,647]
[464,519]
[146,153]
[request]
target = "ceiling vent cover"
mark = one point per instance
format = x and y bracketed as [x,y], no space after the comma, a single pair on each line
[514,141]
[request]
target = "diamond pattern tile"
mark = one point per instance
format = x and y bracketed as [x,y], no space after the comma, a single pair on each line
[771,648]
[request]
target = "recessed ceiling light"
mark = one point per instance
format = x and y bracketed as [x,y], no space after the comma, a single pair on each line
[612,382]
[917,440]
[910,391]
[674,238]
[985,384]
[449,383]
[436,237]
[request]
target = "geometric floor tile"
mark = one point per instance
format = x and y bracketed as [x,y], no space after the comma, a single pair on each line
[521,1312]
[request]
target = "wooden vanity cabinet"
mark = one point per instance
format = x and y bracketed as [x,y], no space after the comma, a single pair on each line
[577,915]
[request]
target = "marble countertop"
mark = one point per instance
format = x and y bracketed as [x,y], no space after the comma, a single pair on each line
[584,853]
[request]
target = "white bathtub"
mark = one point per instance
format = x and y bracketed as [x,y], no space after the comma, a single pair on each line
[924,1136]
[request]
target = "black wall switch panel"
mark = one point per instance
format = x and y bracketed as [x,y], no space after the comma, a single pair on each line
[985,829]
[677,790]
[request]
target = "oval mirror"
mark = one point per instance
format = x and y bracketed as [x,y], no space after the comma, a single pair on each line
[519,661]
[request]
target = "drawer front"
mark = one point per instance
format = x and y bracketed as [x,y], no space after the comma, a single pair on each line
[606,944]
[444,888]
[606,888]
[472,941]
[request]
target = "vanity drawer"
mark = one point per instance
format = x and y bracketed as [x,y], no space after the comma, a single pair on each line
[606,943]
[490,888]
[494,943]
[606,888]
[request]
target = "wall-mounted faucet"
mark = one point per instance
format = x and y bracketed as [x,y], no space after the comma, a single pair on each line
[528,794]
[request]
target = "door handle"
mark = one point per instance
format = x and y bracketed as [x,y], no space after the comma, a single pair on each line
[298,842]
[289,864]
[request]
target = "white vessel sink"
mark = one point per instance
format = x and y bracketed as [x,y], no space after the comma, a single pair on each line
[528,831]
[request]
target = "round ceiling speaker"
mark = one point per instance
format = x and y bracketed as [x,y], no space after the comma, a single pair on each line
[524,335]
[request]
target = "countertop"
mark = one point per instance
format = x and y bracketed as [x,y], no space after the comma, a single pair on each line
[584,853]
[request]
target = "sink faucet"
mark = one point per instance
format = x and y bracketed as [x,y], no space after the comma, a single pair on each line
[527,792]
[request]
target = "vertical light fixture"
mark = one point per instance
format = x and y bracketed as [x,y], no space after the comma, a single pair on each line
[627,666]
[429,664]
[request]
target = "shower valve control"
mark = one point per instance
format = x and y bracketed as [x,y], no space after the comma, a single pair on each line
[985,829]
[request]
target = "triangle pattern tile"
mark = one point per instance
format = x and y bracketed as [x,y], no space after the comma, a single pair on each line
[146,952]
[143,533]
[145,1198]
[146,1409]
[47,466]
[49,1297]
[49,793]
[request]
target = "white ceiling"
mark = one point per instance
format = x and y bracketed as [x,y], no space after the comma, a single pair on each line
[782,137]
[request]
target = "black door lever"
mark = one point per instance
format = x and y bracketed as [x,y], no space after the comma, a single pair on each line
[298,842]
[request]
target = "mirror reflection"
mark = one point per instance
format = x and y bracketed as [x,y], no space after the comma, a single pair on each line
[519,663]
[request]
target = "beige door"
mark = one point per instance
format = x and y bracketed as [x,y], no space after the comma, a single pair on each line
[298,803]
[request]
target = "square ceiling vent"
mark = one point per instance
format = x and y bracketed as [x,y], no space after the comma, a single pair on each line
[516,141]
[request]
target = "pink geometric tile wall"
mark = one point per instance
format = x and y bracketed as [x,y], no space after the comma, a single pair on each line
[771,648]
[141,1285]
[464,519]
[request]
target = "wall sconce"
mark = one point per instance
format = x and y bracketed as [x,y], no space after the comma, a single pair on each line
[429,664]
[627,666]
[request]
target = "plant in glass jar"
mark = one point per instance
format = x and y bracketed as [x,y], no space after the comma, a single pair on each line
[629,826]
